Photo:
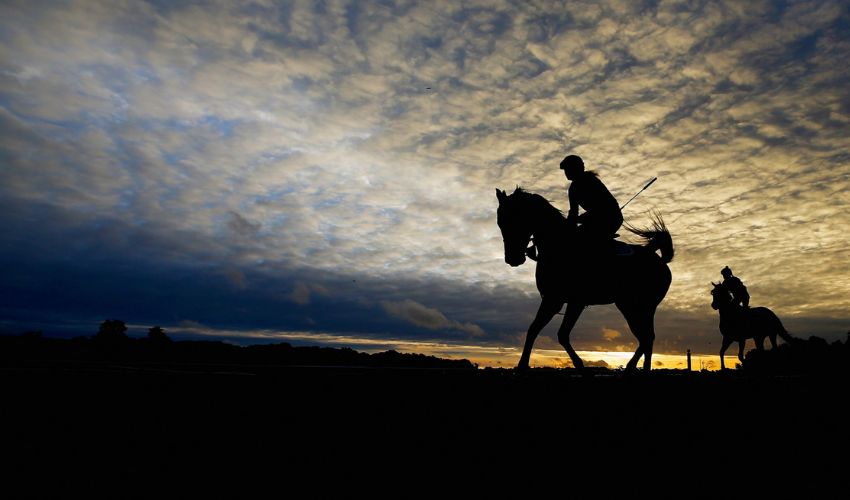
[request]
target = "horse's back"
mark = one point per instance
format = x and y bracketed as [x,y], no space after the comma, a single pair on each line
[761,314]
[763,320]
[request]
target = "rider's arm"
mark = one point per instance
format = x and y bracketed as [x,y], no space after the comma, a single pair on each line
[572,215]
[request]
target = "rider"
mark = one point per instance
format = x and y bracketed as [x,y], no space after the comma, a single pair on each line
[736,287]
[602,217]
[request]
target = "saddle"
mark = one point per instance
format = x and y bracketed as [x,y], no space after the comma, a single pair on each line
[610,248]
[622,249]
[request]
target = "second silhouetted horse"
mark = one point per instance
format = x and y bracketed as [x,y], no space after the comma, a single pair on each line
[737,324]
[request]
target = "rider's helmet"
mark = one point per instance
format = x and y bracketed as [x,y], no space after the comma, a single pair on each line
[572,163]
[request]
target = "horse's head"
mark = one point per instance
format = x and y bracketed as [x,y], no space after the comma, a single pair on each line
[512,218]
[720,296]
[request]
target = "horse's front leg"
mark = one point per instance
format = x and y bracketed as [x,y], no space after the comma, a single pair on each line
[741,345]
[726,343]
[548,309]
[570,317]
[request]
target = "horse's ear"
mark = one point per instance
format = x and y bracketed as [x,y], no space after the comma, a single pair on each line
[713,284]
[501,195]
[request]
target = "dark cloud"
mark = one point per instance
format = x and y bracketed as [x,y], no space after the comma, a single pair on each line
[242,226]
[427,317]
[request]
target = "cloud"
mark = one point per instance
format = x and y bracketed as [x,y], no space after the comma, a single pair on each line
[236,277]
[302,292]
[190,324]
[242,226]
[427,317]
[610,334]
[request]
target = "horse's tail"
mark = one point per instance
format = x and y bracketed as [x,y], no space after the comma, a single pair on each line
[776,325]
[781,331]
[657,237]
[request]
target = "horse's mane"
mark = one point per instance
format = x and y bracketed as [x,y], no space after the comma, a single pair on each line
[540,203]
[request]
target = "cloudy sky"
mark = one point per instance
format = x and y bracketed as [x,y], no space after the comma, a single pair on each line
[324,172]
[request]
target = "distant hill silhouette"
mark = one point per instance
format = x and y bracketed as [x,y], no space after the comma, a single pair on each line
[157,347]
[799,356]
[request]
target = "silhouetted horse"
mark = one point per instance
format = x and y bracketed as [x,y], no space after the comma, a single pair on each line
[737,324]
[567,273]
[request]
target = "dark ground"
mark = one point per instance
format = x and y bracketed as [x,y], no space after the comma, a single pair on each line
[214,426]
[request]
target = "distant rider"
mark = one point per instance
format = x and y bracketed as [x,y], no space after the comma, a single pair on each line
[736,287]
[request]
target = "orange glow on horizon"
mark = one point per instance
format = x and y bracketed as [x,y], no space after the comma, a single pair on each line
[482,355]
[542,358]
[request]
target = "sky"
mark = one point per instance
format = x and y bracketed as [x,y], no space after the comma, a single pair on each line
[325,172]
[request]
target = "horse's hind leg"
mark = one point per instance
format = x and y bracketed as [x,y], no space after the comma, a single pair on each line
[727,341]
[640,322]
[648,341]
[772,338]
[570,317]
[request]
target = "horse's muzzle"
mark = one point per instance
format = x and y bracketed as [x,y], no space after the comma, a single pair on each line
[515,260]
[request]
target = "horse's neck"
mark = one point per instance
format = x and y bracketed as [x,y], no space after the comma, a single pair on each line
[549,232]
[547,242]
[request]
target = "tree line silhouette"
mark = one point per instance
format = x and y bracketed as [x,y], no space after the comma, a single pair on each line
[799,356]
[111,343]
